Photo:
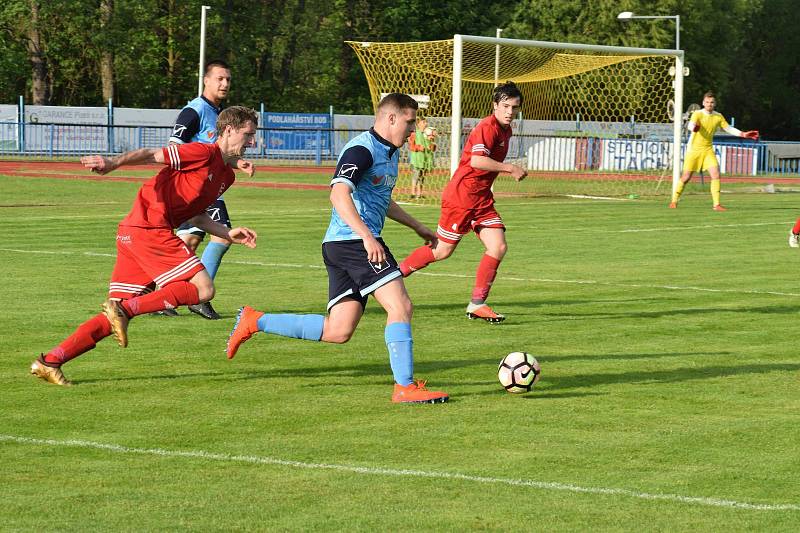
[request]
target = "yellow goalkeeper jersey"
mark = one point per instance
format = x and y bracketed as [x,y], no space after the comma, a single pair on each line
[709,124]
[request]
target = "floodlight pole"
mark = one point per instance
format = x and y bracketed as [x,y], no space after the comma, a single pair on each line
[201,67]
[497,59]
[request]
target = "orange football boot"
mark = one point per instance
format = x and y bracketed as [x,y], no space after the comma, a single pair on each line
[245,327]
[417,393]
[484,312]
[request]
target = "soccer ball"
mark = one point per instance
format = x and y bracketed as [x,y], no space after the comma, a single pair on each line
[519,372]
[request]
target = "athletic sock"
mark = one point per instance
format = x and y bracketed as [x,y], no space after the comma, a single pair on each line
[487,272]
[85,337]
[307,327]
[168,297]
[212,257]
[417,260]
[678,190]
[401,355]
[715,191]
[796,228]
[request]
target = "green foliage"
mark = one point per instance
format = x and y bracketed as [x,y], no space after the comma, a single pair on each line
[290,54]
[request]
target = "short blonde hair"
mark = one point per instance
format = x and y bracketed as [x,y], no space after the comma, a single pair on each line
[236,116]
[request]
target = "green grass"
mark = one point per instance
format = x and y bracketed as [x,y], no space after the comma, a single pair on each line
[666,339]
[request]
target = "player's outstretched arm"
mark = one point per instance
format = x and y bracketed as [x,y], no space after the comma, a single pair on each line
[103,165]
[482,162]
[398,214]
[239,235]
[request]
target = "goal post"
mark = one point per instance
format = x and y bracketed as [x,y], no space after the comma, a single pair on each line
[595,119]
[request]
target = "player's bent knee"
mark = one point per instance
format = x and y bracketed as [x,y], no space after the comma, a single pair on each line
[400,311]
[205,290]
[337,337]
[499,251]
[442,251]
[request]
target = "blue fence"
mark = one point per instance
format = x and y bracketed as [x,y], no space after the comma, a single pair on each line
[310,144]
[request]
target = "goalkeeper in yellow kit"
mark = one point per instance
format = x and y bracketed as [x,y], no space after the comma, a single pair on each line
[700,152]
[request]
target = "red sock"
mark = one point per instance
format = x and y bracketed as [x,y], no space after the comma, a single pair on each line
[487,271]
[796,228]
[172,295]
[84,339]
[419,259]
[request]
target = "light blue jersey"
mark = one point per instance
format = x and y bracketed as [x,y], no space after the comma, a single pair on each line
[368,165]
[197,122]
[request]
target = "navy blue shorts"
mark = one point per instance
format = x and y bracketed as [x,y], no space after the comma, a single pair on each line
[351,274]
[218,213]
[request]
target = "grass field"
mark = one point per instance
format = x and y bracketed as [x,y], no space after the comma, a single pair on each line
[668,400]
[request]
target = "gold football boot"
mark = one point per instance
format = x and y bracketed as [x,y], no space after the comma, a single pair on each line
[118,319]
[51,374]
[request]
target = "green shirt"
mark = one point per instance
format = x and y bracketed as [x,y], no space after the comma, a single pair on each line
[422,160]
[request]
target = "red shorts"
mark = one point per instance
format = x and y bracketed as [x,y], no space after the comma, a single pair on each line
[149,256]
[455,222]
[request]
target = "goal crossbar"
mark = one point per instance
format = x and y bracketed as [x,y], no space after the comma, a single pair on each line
[459,40]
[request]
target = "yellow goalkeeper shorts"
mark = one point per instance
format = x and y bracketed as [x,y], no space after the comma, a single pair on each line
[697,160]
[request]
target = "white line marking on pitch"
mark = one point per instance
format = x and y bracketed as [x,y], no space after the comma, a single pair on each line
[659,228]
[461,276]
[705,226]
[544,485]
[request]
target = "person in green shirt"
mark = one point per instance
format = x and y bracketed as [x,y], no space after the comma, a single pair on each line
[422,146]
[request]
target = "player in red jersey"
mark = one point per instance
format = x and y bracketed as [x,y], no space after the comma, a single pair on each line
[148,252]
[468,202]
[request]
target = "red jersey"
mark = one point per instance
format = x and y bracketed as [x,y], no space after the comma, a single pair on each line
[194,177]
[469,187]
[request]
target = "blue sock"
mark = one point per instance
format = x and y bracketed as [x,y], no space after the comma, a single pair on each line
[401,355]
[212,257]
[308,327]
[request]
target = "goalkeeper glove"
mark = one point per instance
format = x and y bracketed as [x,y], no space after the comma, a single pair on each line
[695,127]
[752,134]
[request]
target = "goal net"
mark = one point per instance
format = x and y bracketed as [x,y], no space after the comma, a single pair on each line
[595,120]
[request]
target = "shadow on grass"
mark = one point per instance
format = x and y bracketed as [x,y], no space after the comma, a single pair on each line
[666,376]
[560,383]
[458,308]
[769,310]
[149,377]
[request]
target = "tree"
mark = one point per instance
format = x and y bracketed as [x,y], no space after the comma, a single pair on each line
[106,54]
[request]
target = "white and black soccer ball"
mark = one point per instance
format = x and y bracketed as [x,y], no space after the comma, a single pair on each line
[519,372]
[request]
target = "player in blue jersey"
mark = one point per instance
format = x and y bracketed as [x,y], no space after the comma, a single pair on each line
[197,122]
[358,261]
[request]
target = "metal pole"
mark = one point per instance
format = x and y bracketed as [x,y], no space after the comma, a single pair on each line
[263,121]
[21,125]
[497,59]
[455,116]
[677,134]
[201,67]
[110,126]
[677,32]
